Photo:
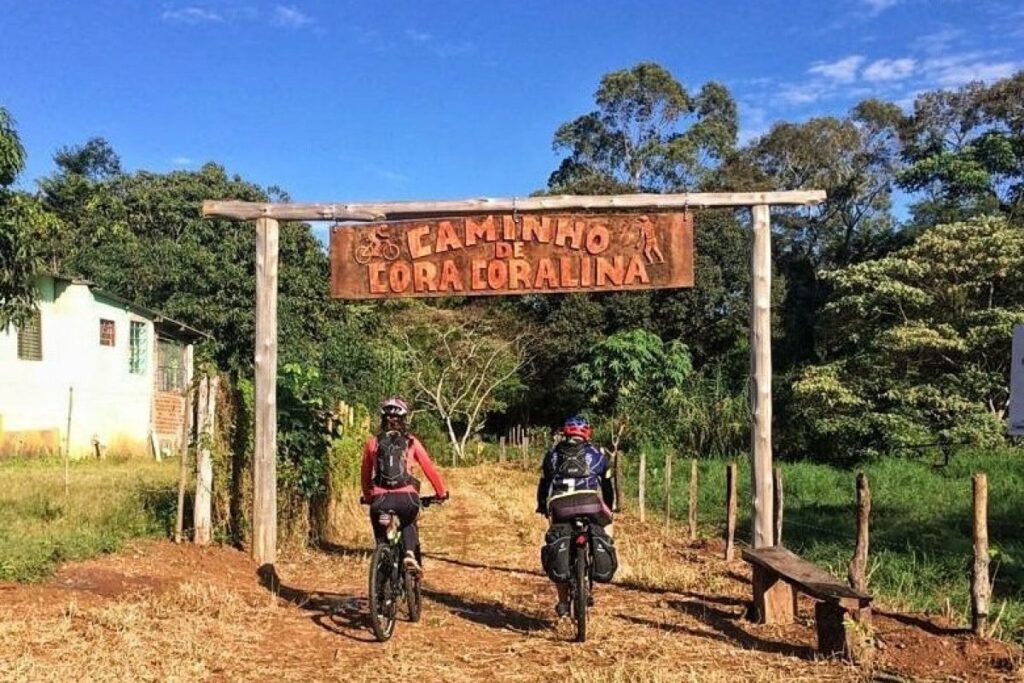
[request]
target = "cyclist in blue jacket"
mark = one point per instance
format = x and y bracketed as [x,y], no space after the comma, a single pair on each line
[575,477]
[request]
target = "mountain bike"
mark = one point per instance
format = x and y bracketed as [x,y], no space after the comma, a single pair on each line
[581,580]
[390,584]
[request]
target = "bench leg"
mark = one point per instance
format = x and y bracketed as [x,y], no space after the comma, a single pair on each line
[774,599]
[835,638]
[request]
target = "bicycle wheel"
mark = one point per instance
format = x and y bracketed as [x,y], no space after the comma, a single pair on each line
[579,601]
[413,598]
[363,254]
[382,593]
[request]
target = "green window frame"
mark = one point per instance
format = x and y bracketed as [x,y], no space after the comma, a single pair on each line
[138,354]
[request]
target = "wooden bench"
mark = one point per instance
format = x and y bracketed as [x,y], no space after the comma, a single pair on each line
[780,574]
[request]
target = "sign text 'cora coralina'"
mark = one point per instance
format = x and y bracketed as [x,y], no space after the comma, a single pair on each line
[512,254]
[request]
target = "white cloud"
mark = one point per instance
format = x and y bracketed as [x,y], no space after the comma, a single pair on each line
[841,71]
[876,7]
[418,36]
[939,41]
[291,16]
[182,161]
[804,93]
[191,15]
[890,69]
[959,74]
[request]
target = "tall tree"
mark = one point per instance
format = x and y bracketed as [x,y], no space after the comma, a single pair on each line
[23,222]
[964,151]
[919,343]
[647,134]
[853,159]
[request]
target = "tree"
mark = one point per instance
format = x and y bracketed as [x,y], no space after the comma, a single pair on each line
[23,223]
[636,140]
[463,371]
[630,376]
[964,151]
[920,342]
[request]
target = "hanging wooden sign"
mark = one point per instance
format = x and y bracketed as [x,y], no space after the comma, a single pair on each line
[512,254]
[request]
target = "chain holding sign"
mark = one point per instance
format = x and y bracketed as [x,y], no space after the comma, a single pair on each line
[512,254]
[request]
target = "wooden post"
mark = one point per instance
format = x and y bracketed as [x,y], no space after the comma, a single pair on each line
[186,438]
[694,493]
[264,504]
[526,452]
[67,444]
[859,563]
[668,487]
[203,511]
[643,485]
[501,449]
[616,473]
[730,511]
[981,589]
[778,505]
[761,378]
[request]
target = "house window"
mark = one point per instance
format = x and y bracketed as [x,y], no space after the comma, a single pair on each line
[30,338]
[136,347]
[106,332]
[170,366]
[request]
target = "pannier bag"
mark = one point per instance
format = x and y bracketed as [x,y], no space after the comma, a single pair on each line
[554,556]
[602,548]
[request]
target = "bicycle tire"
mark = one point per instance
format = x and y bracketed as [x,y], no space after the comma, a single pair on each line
[413,597]
[382,593]
[363,254]
[390,251]
[579,605]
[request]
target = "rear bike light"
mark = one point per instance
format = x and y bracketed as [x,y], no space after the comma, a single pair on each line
[581,540]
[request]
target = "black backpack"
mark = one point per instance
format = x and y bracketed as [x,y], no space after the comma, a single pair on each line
[391,471]
[572,460]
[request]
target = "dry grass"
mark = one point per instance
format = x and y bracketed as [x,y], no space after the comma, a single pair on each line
[186,633]
[672,615]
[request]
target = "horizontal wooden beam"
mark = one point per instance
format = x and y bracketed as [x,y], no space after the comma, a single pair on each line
[376,211]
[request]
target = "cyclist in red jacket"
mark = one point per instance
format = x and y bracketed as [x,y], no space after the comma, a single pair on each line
[387,481]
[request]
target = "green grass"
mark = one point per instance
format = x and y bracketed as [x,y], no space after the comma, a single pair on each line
[109,502]
[920,545]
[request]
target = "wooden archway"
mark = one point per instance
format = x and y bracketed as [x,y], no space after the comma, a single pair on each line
[267,216]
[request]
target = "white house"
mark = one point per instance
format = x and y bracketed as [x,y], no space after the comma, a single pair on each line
[96,369]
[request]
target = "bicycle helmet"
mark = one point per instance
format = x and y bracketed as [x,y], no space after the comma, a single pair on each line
[577,426]
[394,407]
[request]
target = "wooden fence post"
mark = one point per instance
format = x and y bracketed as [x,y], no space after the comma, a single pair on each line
[186,438]
[203,510]
[616,473]
[264,475]
[668,487]
[859,563]
[694,494]
[730,511]
[526,452]
[981,589]
[779,503]
[643,485]
[501,449]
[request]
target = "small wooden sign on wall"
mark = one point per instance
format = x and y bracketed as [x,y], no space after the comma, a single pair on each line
[512,254]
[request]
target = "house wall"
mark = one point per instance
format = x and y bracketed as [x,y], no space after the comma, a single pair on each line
[110,404]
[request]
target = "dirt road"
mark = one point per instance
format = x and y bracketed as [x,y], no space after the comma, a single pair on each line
[163,612]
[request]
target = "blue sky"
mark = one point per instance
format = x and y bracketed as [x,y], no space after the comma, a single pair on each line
[440,99]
